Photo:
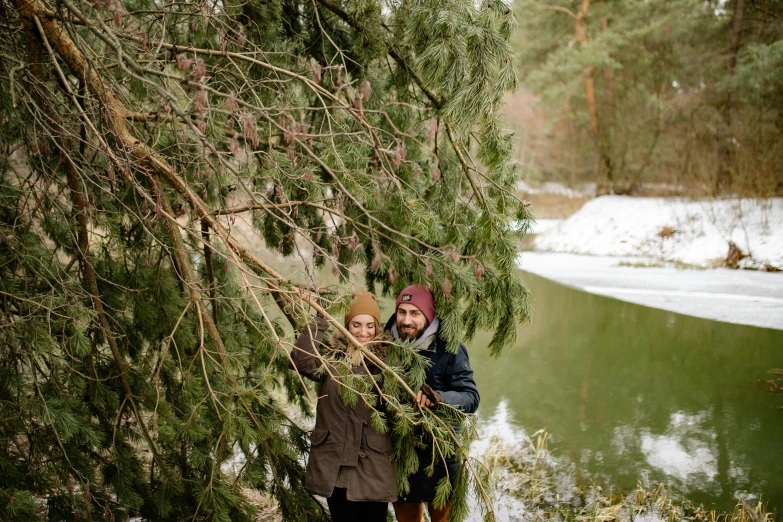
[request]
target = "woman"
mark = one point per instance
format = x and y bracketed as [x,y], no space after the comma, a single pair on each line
[349,460]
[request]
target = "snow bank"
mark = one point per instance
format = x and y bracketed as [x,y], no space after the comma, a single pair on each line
[542,225]
[672,229]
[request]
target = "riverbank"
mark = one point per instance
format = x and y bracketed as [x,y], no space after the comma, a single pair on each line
[670,253]
[673,230]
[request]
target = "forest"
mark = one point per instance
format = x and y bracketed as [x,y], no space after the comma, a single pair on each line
[651,97]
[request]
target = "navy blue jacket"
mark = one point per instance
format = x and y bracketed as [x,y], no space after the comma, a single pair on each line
[451,375]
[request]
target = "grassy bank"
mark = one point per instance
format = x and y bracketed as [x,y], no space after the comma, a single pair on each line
[533,485]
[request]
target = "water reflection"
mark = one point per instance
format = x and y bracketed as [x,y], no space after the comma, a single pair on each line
[500,428]
[682,452]
[628,393]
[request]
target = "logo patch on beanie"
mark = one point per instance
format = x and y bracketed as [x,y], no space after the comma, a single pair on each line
[406,297]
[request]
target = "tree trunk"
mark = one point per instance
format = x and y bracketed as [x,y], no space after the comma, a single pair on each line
[591,106]
[604,168]
[581,34]
[726,155]
[739,18]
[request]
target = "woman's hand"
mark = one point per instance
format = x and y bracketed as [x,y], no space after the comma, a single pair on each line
[321,321]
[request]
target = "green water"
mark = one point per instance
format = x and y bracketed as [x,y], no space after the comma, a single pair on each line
[630,394]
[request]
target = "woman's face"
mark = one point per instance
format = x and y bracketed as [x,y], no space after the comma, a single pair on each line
[362,327]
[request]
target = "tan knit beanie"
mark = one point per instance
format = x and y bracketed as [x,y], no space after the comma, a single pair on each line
[363,303]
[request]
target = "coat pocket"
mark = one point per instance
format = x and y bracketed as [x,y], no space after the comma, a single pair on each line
[379,442]
[319,436]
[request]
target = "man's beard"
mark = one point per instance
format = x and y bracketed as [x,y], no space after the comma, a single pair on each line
[410,336]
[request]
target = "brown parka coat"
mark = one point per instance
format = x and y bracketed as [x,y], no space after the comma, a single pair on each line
[343,436]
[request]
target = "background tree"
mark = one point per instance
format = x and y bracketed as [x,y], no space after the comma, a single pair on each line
[656,92]
[156,157]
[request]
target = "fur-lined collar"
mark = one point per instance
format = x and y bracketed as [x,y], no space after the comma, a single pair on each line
[338,344]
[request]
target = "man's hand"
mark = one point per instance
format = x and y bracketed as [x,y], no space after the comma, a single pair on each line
[427,397]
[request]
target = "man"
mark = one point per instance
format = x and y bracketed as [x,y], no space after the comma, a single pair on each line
[448,380]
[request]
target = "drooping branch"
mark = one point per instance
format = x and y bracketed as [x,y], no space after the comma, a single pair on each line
[434,99]
[142,136]
[209,268]
[276,284]
[141,151]
[81,207]
[188,277]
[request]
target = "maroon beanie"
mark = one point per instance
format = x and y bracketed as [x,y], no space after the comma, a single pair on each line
[420,297]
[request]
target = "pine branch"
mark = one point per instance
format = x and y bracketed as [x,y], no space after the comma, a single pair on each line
[312,141]
[436,102]
[260,206]
[419,82]
[316,88]
[561,9]
[188,278]
[466,170]
[141,151]
[81,205]
[210,270]
[169,339]
[286,310]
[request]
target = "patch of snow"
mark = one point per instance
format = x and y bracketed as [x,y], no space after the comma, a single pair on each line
[614,291]
[673,229]
[233,465]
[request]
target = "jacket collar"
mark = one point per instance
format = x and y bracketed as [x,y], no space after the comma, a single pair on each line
[424,341]
[337,343]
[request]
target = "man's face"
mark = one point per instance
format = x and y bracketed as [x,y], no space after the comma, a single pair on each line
[410,321]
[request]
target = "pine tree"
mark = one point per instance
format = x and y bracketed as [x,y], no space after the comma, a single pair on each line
[144,344]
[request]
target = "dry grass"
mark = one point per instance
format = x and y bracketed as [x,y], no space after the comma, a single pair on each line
[666,232]
[266,507]
[550,493]
[553,206]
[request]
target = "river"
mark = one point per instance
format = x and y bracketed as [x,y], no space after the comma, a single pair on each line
[630,393]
